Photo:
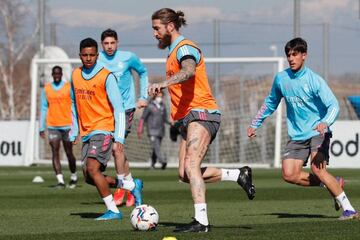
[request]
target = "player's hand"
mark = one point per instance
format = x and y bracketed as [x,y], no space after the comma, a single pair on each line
[155,88]
[141,103]
[76,140]
[42,134]
[321,128]
[251,132]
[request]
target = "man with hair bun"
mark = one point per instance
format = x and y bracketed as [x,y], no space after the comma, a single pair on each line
[195,108]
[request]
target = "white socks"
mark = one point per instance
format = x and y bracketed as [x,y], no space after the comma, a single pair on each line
[201,213]
[229,174]
[110,204]
[127,182]
[60,178]
[344,201]
[73,176]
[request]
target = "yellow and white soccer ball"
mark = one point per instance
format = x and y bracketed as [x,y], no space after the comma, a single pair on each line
[144,218]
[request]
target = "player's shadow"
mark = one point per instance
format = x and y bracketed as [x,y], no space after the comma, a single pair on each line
[92,203]
[173,224]
[87,215]
[302,215]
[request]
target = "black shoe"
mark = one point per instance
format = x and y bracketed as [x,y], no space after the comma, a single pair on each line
[163,165]
[245,181]
[59,186]
[194,226]
[72,183]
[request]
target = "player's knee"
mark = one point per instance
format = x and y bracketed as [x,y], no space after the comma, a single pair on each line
[290,177]
[91,170]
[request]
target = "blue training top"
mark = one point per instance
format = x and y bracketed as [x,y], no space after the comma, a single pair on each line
[115,100]
[121,64]
[309,101]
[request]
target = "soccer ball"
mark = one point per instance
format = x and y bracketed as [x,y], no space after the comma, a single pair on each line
[144,218]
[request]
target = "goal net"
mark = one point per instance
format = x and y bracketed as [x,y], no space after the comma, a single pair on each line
[239,86]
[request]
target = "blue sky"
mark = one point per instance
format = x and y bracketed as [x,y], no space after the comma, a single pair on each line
[247,27]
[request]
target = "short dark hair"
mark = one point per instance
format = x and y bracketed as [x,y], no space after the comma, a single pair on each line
[109,33]
[168,15]
[297,45]
[88,42]
[56,67]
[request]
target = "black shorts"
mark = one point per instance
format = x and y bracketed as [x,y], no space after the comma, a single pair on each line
[302,149]
[211,122]
[99,147]
[58,134]
[129,115]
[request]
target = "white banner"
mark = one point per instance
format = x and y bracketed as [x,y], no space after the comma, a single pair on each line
[345,145]
[12,142]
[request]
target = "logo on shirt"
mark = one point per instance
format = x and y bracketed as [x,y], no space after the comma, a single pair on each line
[84,94]
[120,65]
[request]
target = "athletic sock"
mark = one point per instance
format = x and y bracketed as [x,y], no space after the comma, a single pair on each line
[128,182]
[128,185]
[120,178]
[229,174]
[201,213]
[129,177]
[74,176]
[60,178]
[110,204]
[344,201]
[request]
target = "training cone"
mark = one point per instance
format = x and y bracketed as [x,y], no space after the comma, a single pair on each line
[38,179]
[169,238]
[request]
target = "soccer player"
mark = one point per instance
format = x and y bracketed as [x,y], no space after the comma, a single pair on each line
[98,113]
[155,116]
[56,114]
[193,104]
[121,63]
[311,109]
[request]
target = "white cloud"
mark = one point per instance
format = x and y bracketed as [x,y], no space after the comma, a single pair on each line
[196,14]
[76,18]
[323,10]
[93,18]
[311,11]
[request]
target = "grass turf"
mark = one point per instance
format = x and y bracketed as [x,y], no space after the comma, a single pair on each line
[279,211]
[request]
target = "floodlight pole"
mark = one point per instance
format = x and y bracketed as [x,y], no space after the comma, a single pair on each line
[42,27]
[296,18]
[216,156]
[326,51]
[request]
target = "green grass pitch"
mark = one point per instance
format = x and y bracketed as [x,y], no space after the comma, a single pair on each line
[279,211]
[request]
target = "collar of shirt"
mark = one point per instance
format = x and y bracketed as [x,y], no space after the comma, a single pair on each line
[108,57]
[175,43]
[299,73]
[58,86]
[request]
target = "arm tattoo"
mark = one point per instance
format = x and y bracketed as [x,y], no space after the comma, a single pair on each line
[187,71]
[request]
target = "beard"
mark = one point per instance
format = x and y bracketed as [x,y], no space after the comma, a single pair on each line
[165,41]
